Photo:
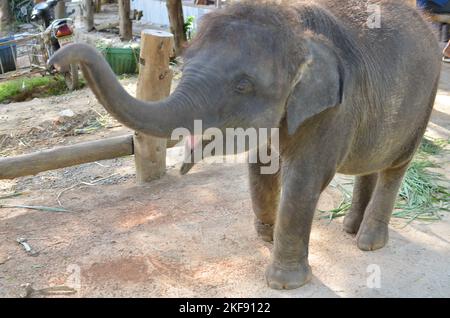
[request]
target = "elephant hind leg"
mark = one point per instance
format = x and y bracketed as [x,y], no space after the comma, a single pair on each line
[265,194]
[373,233]
[362,193]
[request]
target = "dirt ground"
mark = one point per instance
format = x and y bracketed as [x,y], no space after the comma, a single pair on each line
[182,236]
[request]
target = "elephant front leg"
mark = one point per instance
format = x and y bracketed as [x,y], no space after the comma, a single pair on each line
[289,266]
[265,193]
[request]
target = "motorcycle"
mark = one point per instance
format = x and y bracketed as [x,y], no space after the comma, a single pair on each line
[57,33]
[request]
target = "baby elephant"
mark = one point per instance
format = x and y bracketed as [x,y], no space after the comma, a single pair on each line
[350,93]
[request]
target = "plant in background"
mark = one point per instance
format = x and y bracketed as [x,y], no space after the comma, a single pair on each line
[189,27]
[24,89]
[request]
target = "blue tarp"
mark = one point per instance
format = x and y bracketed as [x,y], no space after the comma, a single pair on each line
[441,3]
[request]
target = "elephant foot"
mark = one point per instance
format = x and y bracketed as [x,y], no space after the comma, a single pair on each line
[352,222]
[292,278]
[264,231]
[372,236]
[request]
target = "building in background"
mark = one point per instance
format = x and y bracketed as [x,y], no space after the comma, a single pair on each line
[155,11]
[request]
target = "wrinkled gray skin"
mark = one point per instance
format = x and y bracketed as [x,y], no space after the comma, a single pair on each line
[346,98]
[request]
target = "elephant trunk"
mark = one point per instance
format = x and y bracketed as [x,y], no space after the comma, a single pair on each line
[158,119]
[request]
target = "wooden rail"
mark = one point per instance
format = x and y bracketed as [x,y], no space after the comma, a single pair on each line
[66,156]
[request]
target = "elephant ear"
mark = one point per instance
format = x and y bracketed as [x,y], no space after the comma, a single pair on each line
[318,87]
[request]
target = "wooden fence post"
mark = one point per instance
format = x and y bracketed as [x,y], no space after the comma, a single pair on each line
[155,78]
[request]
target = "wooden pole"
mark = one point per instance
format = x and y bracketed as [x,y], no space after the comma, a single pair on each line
[155,78]
[176,18]
[125,27]
[61,157]
[89,15]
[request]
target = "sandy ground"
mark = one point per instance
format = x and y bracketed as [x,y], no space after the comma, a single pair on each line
[183,235]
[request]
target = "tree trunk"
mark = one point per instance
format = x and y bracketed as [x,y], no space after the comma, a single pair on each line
[126,28]
[89,14]
[98,6]
[60,10]
[5,17]
[176,18]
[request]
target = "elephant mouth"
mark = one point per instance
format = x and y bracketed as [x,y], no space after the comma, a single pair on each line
[193,144]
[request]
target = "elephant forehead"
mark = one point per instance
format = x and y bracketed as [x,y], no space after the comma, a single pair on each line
[232,61]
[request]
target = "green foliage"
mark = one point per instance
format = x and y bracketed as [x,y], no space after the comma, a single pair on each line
[424,193]
[39,86]
[421,195]
[189,27]
[432,147]
[11,88]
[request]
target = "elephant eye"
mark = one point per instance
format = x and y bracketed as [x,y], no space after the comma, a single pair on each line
[244,86]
